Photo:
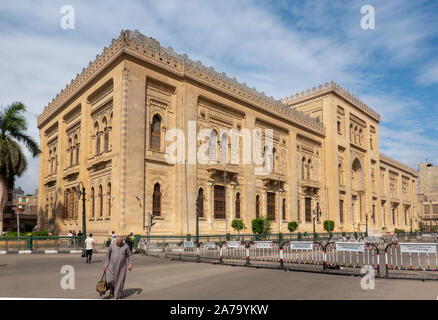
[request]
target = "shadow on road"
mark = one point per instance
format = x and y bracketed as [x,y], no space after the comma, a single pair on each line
[130,292]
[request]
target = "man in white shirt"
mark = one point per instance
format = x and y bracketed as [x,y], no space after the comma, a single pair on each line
[89,247]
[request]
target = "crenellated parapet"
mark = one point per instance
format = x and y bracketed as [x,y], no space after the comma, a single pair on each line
[332,86]
[151,50]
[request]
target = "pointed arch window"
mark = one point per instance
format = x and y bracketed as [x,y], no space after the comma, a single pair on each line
[156,200]
[77,149]
[303,168]
[201,202]
[100,201]
[238,205]
[224,148]
[257,206]
[156,132]
[105,135]
[97,137]
[212,146]
[93,203]
[309,168]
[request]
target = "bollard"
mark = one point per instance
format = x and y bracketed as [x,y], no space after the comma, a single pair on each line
[247,255]
[281,257]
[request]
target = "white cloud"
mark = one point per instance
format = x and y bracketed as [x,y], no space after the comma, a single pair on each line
[429,74]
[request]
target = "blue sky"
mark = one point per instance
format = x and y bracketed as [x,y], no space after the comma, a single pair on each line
[280,47]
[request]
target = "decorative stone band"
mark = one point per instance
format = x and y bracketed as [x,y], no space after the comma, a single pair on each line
[299,97]
[152,51]
[395,163]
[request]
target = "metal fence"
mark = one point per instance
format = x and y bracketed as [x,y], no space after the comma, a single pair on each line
[38,244]
[403,260]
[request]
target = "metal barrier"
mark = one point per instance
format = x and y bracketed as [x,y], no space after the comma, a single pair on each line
[419,259]
[233,250]
[302,252]
[351,255]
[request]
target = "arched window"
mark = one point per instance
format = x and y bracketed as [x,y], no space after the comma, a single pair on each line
[156,132]
[360,137]
[238,205]
[105,134]
[100,201]
[97,136]
[70,151]
[110,130]
[224,148]
[303,168]
[257,206]
[212,146]
[156,200]
[93,204]
[77,148]
[340,174]
[309,168]
[55,157]
[50,161]
[355,135]
[283,210]
[268,159]
[274,163]
[201,202]
[108,192]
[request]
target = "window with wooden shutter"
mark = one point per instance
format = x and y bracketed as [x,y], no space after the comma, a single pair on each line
[156,200]
[271,205]
[219,202]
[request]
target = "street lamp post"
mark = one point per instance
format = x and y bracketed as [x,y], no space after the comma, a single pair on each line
[82,193]
[314,216]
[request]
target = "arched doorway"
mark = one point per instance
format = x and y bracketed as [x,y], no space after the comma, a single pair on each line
[357,194]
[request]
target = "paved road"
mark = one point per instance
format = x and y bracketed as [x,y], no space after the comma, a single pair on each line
[38,276]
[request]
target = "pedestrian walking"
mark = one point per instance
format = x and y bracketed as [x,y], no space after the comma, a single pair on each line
[89,247]
[129,240]
[113,236]
[118,259]
[70,235]
[80,238]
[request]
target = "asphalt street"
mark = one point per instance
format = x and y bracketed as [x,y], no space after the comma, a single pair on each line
[39,276]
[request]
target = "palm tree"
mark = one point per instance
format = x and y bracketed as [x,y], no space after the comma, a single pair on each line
[13,163]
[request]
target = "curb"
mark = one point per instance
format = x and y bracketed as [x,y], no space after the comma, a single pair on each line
[3,252]
[24,252]
[50,251]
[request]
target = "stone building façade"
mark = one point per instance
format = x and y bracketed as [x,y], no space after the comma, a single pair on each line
[107,129]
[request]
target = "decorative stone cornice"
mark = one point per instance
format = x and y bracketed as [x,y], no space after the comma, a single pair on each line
[327,87]
[398,165]
[151,51]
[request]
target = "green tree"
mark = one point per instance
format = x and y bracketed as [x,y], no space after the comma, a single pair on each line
[292,226]
[13,163]
[261,225]
[329,225]
[238,225]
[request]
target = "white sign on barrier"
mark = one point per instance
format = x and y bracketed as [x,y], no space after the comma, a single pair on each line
[263,244]
[301,245]
[189,244]
[372,239]
[210,245]
[350,246]
[233,244]
[418,247]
